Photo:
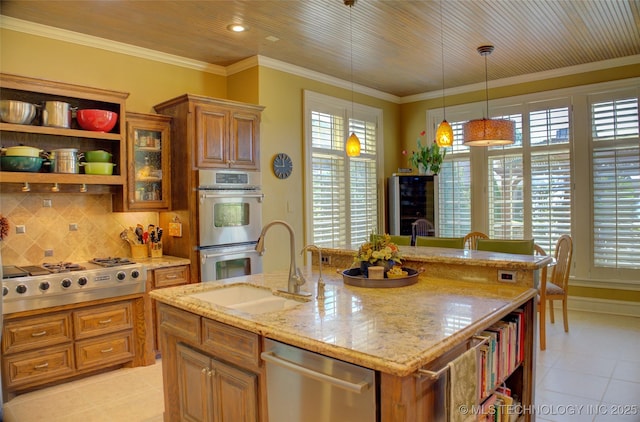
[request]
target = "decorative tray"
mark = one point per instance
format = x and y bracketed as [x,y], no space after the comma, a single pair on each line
[354,277]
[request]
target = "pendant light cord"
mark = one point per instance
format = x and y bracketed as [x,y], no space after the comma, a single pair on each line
[486,82]
[444,110]
[351,43]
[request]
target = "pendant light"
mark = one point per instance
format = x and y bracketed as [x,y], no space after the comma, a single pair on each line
[485,131]
[353,143]
[444,134]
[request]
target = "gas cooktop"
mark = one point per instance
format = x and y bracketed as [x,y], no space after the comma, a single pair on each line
[31,287]
[14,271]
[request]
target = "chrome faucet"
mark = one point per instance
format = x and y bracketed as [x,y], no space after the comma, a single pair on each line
[320,295]
[296,278]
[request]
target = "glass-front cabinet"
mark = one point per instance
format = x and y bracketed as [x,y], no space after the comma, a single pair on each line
[148,157]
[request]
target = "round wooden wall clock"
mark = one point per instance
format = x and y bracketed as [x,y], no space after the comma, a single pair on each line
[282,165]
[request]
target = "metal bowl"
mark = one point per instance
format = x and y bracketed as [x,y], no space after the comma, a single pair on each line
[16,163]
[18,112]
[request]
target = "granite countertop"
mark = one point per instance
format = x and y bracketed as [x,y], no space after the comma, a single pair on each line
[163,261]
[458,256]
[393,330]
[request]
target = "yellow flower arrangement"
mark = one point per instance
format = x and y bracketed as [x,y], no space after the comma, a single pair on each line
[379,248]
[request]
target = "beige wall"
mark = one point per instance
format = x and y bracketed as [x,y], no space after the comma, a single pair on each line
[148,82]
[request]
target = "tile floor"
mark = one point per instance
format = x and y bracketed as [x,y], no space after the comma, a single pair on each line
[596,365]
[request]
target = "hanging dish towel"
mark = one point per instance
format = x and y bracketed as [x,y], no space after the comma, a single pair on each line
[463,387]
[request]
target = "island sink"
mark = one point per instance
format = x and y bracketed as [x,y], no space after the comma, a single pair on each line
[246,298]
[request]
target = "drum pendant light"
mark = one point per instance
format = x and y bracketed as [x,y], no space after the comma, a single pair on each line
[353,143]
[485,131]
[444,134]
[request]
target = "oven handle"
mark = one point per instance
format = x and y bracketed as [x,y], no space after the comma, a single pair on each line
[205,256]
[204,196]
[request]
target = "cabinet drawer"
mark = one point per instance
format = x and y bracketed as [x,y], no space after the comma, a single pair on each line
[179,323]
[34,332]
[38,367]
[102,319]
[104,351]
[232,344]
[171,276]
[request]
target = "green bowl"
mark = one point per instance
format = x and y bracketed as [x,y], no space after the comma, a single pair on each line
[98,168]
[17,163]
[98,156]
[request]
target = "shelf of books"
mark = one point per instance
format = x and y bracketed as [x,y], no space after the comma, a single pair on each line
[499,367]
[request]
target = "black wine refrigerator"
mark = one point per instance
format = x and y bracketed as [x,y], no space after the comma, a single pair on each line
[411,197]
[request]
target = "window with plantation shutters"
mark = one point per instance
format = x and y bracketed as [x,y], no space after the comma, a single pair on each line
[574,169]
[615,168]
[529,182]
[454,189]
[505,187]
[551,188]
[344,205]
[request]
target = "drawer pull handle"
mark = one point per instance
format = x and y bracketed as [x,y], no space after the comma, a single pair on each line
[41,366]
[105,321]
[171,276]
[39,334]
[110,349]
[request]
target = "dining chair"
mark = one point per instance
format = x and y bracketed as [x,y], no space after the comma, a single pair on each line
[421,227]
[471,238]
[516,246]
[539,251]
[557,285]
[440,242]
[401,240]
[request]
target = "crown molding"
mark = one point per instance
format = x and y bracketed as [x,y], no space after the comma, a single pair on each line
[531,77]
[33,28]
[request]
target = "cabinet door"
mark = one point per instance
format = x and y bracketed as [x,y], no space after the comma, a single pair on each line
[235,393]
[149,169]
[212,137]
[194,385]
[245,140]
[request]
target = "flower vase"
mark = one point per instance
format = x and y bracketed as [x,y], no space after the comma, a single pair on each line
[424,170]
[364,266]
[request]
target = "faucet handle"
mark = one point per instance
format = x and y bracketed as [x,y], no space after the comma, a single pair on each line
[301,279]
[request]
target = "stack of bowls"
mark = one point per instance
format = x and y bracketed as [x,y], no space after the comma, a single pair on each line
[21,158]
[98,162]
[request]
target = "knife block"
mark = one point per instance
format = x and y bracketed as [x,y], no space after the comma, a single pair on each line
[155,249]
[139,251]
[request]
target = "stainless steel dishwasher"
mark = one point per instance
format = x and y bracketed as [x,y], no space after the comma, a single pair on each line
[303,386]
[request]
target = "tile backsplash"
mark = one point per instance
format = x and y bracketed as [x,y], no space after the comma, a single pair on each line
[48,219]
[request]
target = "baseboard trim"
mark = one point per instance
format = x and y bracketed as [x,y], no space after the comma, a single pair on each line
[601,306]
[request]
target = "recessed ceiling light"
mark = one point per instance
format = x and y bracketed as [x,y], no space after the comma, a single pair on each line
[237,27]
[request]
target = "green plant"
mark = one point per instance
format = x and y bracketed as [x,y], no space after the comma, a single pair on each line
[429,156]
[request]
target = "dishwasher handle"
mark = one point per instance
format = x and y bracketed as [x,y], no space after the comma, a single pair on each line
[358,387]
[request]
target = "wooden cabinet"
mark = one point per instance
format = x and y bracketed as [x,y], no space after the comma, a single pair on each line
[210,390]
[149,164]
[164,277]
[47,138]
[207,133]
[217,369]
[45,347]
[227,136]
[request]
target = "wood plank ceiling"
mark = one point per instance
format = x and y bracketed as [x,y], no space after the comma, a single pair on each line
[397,45]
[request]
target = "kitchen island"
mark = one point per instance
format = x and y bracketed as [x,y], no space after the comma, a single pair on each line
[396,332]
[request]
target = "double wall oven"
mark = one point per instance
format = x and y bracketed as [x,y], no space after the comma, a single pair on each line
[230,221]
